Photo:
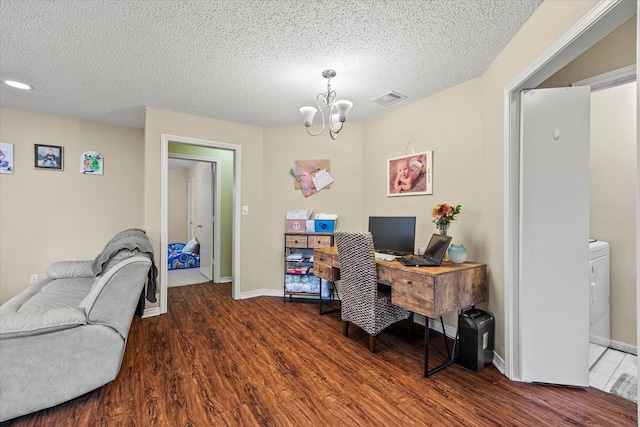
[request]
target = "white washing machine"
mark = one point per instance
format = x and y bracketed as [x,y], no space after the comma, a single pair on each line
[599,302]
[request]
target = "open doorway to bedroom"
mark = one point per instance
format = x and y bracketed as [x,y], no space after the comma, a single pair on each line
[227,158]
[194,212]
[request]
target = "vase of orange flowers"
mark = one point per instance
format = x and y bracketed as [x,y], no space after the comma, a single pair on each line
[443,214]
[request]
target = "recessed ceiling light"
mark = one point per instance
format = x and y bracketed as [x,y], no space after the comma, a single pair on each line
[17,85]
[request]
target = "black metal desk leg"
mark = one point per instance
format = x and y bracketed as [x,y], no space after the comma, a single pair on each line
[332,292]
[426,346]
[450,352]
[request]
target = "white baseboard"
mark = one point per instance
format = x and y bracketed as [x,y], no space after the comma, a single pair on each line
[498,363]
[150,312]
[627,348]
[262,293]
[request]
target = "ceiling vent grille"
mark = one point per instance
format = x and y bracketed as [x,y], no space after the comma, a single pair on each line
[389,98]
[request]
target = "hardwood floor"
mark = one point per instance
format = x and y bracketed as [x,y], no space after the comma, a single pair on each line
[213,361]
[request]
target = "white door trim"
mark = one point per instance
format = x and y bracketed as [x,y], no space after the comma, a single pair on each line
[598,22]
[165,139]
[611,79]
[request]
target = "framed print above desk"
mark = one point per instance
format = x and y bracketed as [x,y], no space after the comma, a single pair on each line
[410,175]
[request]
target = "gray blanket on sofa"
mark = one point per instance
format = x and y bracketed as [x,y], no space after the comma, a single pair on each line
[131,239]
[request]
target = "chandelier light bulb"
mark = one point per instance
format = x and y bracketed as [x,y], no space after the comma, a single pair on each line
[308,113]
[343,108]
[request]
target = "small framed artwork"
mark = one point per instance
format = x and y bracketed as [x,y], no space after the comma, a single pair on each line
[48,157]
[6,157]
[410,175]
[91,163]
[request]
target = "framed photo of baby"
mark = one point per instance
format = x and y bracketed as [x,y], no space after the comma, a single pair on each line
[410,175]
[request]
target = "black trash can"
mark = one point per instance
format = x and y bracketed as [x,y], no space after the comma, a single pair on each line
[475,339]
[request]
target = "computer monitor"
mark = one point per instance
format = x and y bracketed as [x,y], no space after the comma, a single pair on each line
[393,235]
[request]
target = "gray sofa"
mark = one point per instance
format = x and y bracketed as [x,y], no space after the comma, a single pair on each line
[65,335]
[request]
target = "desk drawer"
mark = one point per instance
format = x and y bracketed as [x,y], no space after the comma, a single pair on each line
[434,295]
[319,241]
[294,241]
[413,292]
[323,267]
[326,272]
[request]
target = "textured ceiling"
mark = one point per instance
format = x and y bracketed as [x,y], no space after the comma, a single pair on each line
[251,62]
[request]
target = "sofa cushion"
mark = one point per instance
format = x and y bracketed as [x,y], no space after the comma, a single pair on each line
[63,269]
[23,297]
[46,306]
[59,293]
[20,324]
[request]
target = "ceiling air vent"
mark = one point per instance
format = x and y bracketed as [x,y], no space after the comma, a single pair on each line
[389,98]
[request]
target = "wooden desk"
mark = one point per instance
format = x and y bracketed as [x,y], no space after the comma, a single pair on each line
[429,291]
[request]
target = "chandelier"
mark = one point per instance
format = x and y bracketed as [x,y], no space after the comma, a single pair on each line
[336,119]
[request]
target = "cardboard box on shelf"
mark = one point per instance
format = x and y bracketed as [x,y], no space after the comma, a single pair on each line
[325,225]
[296,225]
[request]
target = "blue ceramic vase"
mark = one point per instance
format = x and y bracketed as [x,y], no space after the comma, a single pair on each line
[457,253]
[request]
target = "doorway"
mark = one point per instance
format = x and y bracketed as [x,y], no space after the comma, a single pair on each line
[613,313]
[603,18]
[194,215]
[234,152]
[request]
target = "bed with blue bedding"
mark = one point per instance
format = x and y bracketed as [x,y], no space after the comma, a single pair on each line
[183,255]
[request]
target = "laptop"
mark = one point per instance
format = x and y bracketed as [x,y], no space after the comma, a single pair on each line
[433,255]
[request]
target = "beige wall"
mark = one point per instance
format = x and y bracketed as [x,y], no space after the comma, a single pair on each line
[48,215]
[250,139]
[616,50]
[449,124]
[613,198]
[282,146]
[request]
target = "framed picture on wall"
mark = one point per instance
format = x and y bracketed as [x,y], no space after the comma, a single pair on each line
[91,163]
[48,157]
[410,175]
[6,157]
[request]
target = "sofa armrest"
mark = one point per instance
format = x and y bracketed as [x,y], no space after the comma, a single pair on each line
[68,269]
[20,324]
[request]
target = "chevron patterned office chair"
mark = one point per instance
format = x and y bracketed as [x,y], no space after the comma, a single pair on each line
[362,303]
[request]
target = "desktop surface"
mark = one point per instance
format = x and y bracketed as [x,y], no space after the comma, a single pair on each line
[431,291]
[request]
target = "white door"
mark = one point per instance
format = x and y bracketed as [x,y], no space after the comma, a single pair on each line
[554,230]
[190,210]
[207,220]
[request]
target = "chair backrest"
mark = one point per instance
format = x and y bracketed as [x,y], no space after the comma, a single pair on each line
[357,269]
